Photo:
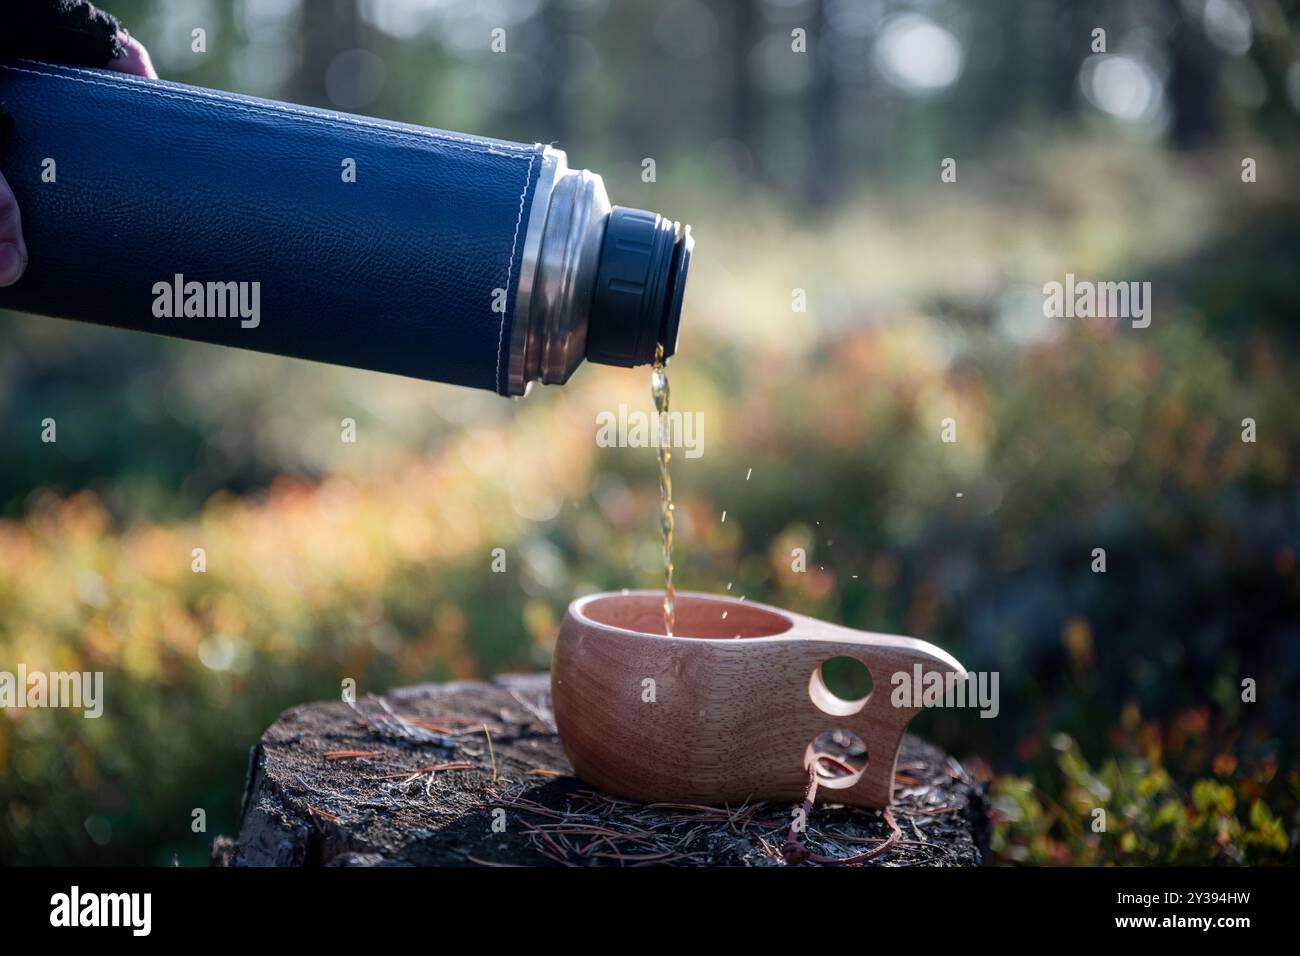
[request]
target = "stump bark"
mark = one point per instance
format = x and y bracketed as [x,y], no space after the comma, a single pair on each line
[472,773]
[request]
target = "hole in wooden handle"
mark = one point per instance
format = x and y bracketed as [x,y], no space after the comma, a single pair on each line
[839,757]
[840,686]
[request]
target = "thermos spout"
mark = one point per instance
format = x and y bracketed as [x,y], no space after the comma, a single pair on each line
[597,282]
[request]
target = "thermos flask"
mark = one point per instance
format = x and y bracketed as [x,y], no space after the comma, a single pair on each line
[303,232]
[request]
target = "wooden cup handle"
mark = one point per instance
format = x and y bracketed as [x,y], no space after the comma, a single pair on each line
[880,719]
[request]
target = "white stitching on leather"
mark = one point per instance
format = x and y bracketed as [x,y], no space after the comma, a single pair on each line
[204,94]
[336,122]
[501,333]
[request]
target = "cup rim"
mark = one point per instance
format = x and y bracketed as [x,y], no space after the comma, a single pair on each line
[578,611]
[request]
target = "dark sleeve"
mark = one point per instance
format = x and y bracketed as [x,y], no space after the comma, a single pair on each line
[61,31]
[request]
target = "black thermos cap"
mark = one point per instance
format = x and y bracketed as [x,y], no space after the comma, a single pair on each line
[640,282]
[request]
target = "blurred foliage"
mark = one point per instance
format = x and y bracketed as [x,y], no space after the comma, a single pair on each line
[328,560]
[1133,810]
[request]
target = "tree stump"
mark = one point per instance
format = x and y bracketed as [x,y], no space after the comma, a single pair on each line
[472,773]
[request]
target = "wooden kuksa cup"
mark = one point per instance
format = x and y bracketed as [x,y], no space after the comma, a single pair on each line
[704,717]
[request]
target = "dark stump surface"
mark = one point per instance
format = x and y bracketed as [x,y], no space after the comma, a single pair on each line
[414,779]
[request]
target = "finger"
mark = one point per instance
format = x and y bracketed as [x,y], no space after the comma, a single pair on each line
[13,250]
[133,59]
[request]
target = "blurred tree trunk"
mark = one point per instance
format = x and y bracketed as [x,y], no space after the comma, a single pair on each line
[822,182]
[328,28]
[557,67]
[1070,43]
[745,108]
[1193,68]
